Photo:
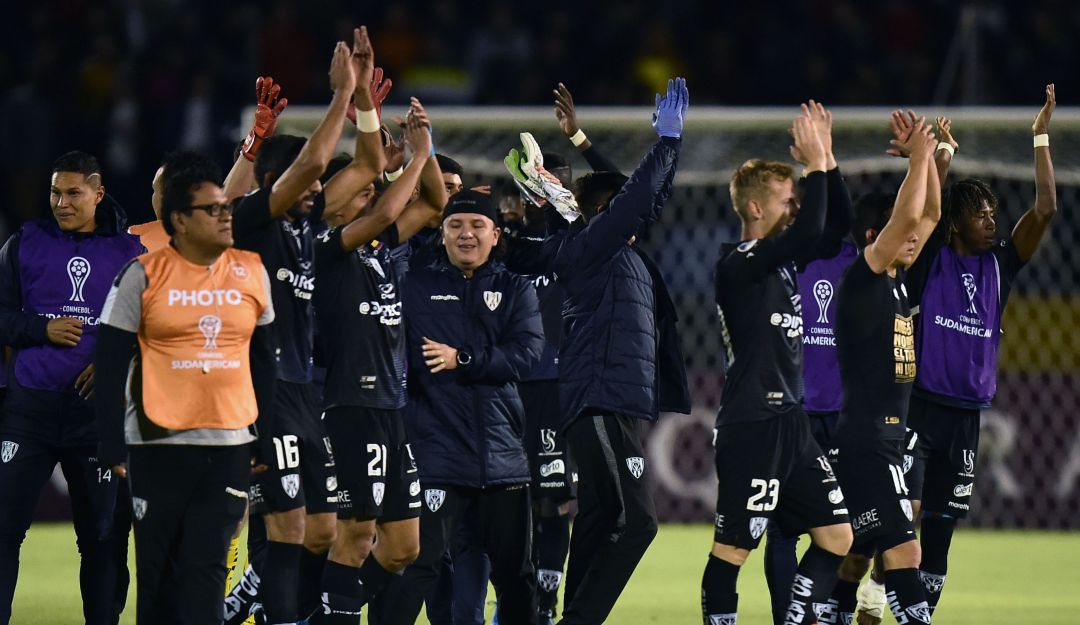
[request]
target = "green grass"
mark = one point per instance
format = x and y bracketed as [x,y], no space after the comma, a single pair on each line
[995,578]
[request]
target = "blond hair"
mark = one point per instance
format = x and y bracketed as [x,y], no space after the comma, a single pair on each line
[751,180]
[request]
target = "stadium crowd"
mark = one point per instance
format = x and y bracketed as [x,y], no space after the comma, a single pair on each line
[404,388]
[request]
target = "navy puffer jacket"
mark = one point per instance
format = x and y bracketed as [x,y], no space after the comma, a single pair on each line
[620,351]
[466,425]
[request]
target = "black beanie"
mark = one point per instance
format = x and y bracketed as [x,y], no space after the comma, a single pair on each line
[469,201]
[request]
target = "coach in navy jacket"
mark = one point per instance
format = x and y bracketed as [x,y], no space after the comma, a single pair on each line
[620,363]
[472,330]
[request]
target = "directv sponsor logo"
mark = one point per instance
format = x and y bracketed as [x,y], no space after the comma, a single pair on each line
[791,323]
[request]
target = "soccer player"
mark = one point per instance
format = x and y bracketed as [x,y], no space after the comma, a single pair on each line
[185,365]
[472,329]
[962,283]
[767,461]
[818,281]
[358,303]
[55,274]
[297,495]
[620,363]
[152,233]
[875,347]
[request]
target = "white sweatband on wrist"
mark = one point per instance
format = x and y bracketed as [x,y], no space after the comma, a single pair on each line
[578,138]
[394,175]
[1042,141]
[367,121]
[947,147]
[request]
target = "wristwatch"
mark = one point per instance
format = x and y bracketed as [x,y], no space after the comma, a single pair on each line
[464,358]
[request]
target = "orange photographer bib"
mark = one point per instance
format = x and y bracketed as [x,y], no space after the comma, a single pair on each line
[195,337]
[151,234]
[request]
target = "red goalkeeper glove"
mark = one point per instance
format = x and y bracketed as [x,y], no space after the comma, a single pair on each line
[380,88]
[267,109]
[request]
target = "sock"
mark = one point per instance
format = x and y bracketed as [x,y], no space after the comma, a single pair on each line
[373,577]
[311,568]
[552,543]
[342,595]
[780,565]
[812,587]
[845,598]
[280,582]
[936,538]
[906,598]
[719,601]
[238,602]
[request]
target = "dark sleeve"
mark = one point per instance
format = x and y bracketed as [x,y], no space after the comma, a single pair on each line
[112,358]
[633,207]
[527,255]
[753,260]
[328,248]
[251,214]
[520,343]
[916,275]
[839,216]
[263,377]
[1009,263]
[858,308]
[598,161]
[17,328]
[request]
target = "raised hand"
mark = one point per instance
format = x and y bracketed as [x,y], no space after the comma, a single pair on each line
[564,111]
[902,126]
[921,142]
[808,142]
[822,119]
[671,109]
[380,88]
[342,73]
[944,131]
[363,62]
[267,109]
[417,134]
[394,149]
[1042,120]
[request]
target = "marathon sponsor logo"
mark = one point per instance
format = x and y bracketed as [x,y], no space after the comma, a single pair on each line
[559,484]
[866,520]
[303,286]
[205,297]
[553,467]
[963,490]
[964,328]
[445,298]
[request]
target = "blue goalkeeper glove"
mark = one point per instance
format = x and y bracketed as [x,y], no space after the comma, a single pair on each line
[667,121]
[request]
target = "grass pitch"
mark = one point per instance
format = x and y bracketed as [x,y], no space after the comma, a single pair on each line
[995,578]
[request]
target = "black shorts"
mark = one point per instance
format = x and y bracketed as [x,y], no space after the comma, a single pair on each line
[878,499]
[553,474]
[377,478]
[945,455]
[301,471]
[823,427]
[773,470]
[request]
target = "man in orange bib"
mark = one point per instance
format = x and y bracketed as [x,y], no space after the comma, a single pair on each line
[187,358]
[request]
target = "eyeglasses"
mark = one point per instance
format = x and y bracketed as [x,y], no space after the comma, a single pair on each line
[214,210]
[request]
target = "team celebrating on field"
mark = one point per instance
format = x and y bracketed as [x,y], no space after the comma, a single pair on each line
[404,388]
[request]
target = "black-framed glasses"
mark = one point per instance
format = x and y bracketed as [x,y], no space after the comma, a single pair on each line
[214,210]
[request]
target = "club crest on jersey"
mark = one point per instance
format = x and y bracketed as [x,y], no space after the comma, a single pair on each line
[210,326]
[721,619]
[378,489]
[291,485]
[8,449]
[434,498]
[138,508]
[970,287]
[757,526]
[548,580]
[492,299]
[823,293]
[78,270]
[908,461]
[636,464]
